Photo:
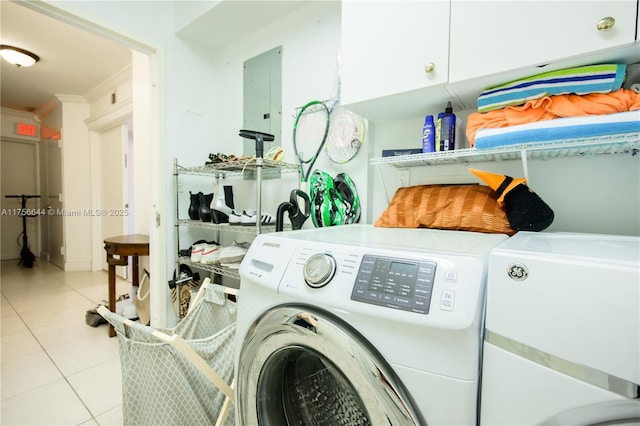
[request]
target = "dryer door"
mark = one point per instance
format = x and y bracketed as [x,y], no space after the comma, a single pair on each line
[301,366]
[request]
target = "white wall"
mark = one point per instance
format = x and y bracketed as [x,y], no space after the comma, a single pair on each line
[9,119]
[142,145]
[69,113]
[188,11]
[310,38]
[76,184]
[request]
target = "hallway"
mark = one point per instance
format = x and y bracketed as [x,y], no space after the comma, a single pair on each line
[55,369]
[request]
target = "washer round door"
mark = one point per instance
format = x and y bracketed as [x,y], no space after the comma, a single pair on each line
[299,366]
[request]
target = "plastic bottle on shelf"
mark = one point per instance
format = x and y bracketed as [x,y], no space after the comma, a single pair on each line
[438,131]
[447,139]
[428,134]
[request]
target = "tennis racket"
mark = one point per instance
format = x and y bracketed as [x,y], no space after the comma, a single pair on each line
[310,131]
[346,135]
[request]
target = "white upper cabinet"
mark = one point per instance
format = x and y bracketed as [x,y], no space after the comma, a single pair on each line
[391,52]
[489,37]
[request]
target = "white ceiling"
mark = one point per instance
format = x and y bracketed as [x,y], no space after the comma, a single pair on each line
[72,61]
[230,20]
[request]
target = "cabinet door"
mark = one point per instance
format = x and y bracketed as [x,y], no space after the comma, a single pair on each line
[387,44]
[489,37]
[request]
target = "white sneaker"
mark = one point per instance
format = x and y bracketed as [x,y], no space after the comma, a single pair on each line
[210,254]
[126,309]
[249,218]
[235,218]
[232,254]
[196,252]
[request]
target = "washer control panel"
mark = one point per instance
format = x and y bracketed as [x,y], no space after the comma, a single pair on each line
[395,283]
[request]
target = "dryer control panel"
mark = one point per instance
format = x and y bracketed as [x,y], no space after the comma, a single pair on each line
[395,283]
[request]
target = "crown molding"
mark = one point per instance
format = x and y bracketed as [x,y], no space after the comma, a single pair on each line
[107,86]
[112,116]
[70,99]
[19,113]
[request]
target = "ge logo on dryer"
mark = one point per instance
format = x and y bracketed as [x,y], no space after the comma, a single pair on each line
[517,272]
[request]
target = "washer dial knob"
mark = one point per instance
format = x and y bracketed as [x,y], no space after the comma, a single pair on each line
[319,269]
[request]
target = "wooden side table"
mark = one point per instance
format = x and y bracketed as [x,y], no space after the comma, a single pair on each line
[123,246]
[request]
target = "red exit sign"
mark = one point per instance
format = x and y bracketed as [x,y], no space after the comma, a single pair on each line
[26,129]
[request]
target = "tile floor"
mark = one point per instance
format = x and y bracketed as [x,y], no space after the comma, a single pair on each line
[55,369]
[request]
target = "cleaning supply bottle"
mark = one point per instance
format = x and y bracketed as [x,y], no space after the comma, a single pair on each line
[447,137]
[438,131]
[428,135]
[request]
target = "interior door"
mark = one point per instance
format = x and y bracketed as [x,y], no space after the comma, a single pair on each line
[18,176]
[55,220]
[113,186]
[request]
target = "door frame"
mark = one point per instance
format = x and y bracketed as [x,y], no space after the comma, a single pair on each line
[155,100]
[53,256]
[96,126]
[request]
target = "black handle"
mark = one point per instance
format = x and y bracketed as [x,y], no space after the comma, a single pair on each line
[282,208]
[298,216]
[259,137]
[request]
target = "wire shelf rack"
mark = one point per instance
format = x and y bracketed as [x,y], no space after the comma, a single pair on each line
[610,144]
[237,167]
[247,229]
[216,268]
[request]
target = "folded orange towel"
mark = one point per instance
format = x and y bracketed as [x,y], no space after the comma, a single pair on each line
[551,107]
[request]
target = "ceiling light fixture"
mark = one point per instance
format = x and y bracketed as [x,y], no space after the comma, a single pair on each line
[18,57]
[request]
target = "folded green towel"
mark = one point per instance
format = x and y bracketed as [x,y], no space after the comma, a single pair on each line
[605,78]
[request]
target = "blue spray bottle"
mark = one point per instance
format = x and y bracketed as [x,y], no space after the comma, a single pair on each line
[428,135]
[447,134]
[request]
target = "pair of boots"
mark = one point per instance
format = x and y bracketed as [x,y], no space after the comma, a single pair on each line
[207,209]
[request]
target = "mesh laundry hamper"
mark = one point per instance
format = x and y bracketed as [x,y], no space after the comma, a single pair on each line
[179,376]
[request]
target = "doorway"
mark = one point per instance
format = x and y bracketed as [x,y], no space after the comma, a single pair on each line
[147,75]
[115,187]
[19,175]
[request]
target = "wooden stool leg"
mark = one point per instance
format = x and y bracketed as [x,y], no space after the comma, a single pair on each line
[124,246]
[112,295]
[112,262]
[135,280]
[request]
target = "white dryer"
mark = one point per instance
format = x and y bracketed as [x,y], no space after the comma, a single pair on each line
[562,343]
[361,325]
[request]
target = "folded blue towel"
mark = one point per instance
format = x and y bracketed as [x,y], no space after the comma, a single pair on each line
[605,78]
[559,129]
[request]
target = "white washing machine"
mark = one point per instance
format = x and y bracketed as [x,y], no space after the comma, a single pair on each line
[361,325]
[562,341]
